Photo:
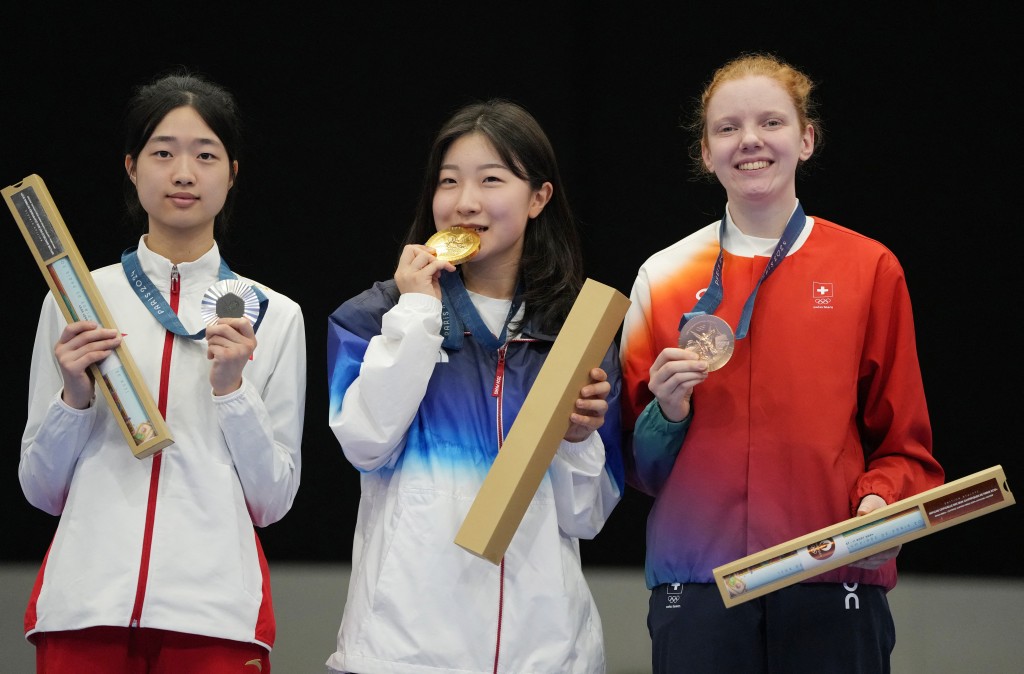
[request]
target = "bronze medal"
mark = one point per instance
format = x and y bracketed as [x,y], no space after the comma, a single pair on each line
[710,338]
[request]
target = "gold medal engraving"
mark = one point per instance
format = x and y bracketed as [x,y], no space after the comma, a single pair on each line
[710,337]
[455,244]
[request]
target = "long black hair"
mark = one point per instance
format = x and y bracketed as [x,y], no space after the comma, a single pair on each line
[551,266]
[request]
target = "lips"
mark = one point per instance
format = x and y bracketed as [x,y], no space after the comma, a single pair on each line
[183,198]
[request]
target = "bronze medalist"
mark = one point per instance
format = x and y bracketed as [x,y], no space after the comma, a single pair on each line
[710,337]
[455,244]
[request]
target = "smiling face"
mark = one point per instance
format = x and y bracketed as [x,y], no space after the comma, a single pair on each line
[182,175]
[755,141]
[476,190]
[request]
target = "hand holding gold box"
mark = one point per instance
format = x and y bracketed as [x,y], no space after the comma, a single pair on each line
[532,441]
[859,537]
[72,285]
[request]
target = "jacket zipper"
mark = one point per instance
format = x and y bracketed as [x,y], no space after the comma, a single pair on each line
[154,476]
[496,391]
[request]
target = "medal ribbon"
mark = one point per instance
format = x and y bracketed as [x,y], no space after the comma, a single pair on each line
[459,313]
[712,297]
[157,305]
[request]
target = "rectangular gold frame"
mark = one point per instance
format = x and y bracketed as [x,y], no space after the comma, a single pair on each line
[72,285]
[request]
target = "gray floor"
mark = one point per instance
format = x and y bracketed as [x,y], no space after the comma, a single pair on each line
[944,625]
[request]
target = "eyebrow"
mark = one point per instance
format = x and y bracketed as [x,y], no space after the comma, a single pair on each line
[174,139]
[455,167]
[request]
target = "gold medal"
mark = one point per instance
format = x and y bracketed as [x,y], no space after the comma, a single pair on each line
[455,244]
[710,337]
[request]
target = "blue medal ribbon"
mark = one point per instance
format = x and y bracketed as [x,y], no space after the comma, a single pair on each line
[458,313]
[158,306]
[712,297]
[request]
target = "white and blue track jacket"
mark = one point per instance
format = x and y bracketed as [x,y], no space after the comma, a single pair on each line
[423,424]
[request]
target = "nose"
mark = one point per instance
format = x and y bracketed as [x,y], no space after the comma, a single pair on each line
[469,201]
[751,138]
[183,172]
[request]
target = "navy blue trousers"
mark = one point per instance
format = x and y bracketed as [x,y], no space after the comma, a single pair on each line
[807,627]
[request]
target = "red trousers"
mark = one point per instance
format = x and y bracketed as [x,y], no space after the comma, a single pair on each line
[120,650]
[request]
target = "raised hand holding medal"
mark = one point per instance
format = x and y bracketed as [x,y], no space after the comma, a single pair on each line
[230,347]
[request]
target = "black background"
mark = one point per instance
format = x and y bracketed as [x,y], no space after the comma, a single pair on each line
[921,152]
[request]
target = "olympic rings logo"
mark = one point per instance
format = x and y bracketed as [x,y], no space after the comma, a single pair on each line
[823,300]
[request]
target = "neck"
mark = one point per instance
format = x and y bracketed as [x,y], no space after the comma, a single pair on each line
[766,222]
[496,283]
[180,247]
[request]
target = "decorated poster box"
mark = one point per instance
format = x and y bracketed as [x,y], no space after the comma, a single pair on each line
[859,537]
[55,252]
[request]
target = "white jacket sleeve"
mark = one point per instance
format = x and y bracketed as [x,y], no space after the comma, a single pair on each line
[381,403]
[55,434]
[263,428]
[585,493]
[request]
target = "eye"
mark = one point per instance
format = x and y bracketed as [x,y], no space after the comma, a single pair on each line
[446,180]
[163,154]
[493,179]
[206,156]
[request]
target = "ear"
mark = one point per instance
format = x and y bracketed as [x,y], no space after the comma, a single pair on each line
[807,143]
[234,174]
[540,199]
[705,154]
[129,167]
